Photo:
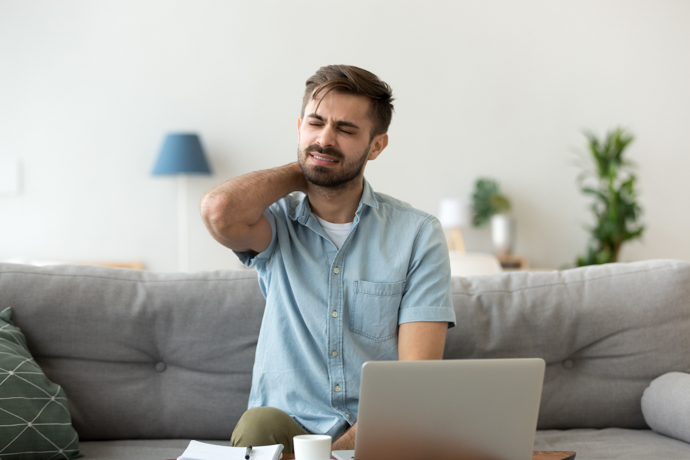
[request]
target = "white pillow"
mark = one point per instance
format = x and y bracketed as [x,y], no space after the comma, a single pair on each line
[666,405]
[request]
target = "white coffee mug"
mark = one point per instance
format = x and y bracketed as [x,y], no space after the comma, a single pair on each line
[312,447]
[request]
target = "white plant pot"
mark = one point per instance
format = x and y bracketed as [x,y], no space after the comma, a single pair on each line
[503,234]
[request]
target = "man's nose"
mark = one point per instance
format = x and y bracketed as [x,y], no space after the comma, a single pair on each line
[326,137]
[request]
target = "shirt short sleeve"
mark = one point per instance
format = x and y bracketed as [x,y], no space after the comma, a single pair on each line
[260,260]
[428,293]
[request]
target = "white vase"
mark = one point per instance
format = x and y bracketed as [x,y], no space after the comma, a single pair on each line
[503,234]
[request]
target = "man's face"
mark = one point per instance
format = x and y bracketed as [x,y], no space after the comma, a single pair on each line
[335,140]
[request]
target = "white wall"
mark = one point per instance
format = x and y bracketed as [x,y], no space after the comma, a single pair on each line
[502,89]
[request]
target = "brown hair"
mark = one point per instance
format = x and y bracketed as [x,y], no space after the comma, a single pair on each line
[353,80]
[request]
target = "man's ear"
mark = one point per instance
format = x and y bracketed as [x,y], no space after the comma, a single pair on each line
[379,143]
[299,124]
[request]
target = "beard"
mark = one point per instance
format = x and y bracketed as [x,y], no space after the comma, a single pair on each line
[324,176]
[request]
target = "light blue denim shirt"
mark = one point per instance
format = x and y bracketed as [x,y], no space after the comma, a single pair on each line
[328,311]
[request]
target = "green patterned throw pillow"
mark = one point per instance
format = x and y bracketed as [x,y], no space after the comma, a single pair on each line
[34,421]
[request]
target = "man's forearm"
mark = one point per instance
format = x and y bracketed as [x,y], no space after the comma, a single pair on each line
[347,440]
[239,203]
[421,340]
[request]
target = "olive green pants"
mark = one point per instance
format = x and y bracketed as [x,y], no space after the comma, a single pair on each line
[263,426]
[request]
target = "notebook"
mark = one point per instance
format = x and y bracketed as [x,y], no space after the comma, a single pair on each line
[448,409]
[203,451]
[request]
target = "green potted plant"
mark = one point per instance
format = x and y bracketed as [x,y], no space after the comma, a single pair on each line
[490,205]
[487,201]
[611,182]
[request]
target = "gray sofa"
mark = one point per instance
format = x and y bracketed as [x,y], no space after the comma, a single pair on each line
[149,361]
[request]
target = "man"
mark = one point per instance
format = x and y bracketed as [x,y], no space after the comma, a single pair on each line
[349,275]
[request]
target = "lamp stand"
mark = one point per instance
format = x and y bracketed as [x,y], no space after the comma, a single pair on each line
[455,240]
[182,229]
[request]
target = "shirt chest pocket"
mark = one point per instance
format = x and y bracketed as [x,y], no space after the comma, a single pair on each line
[374,312]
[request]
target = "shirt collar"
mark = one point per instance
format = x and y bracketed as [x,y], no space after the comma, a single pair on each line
[302,210]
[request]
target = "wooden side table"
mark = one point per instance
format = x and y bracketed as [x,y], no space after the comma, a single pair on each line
[513,262]
[553,455]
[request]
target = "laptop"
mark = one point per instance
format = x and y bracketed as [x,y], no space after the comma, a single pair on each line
[449,409]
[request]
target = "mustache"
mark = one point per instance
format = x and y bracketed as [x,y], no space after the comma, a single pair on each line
[335,153]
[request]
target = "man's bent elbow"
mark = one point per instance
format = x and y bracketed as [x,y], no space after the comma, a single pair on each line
[216,212]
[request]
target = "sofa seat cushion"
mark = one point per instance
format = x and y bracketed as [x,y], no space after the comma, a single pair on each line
[609,443]
[613,443]
[34,420]
[157,449]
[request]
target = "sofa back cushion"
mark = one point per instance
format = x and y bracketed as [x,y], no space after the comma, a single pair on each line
[141,355]
[605,333]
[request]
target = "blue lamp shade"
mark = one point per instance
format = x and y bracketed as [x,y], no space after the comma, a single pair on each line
[181,154]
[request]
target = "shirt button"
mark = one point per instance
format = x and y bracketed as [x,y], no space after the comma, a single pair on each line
[337,388]
[334,314]
[334,353]
[348,416]
[336,271]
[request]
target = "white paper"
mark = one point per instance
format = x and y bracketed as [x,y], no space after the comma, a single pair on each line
[203,451]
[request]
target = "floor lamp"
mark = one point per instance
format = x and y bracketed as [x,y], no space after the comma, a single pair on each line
[182,155]
[454,214]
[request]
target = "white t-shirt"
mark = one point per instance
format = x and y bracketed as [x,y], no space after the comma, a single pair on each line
[337,232]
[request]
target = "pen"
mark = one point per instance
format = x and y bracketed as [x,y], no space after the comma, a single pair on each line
[247,452]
